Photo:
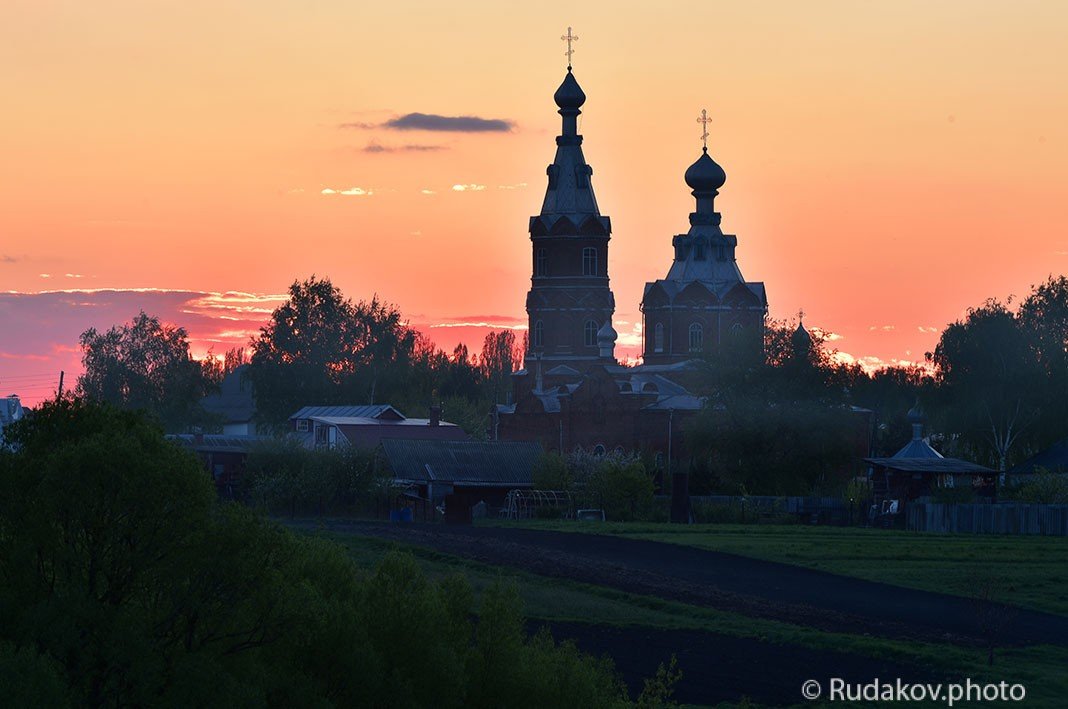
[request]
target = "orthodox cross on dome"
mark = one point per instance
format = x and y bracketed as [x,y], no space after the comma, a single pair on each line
[800,314]
[569,38]
[704,120]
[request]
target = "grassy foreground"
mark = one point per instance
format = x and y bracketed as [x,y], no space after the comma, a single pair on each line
[1041,669]
[1031,572]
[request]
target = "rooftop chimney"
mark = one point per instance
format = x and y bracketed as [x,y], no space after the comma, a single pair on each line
[435,415]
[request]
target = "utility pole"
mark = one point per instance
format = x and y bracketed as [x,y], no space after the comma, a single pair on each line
[59,391]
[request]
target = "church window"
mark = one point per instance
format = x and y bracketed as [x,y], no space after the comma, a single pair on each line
[541,263]
[590,333]
[696,337]
[721,253]
[539,333]
[658,337]
[589,261]
[699,251]
[599,450]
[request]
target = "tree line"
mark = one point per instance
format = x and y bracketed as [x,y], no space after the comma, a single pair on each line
[994,390]
[317,348]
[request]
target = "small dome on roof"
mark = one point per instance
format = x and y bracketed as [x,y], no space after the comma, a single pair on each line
[570,94]
[915,414]
[607,333]
[705,175]
[801,338]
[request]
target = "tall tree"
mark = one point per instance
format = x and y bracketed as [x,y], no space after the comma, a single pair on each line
[145,364]
[989,382]
[321,348]
[501,355]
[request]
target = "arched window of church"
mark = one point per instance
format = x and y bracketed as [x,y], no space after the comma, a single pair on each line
[658,337]
[721,253]
[589,261]
[696,337]
[599,450]
[541,263]
[539,333]
[736,329]
[699,251]
[590,332]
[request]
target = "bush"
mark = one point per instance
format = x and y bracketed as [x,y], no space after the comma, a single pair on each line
[1045,488]
[125,582]
[625,489]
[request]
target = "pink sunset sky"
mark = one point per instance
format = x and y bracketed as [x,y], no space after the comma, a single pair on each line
[889,164]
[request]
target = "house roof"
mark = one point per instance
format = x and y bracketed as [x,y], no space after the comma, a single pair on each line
[476,463]
[917,448]
[939,466]
[1054,459]
[363,436]
[372,411]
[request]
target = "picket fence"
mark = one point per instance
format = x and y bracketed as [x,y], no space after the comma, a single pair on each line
[1000,518]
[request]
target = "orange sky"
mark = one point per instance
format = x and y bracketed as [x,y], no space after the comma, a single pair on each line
[889,164]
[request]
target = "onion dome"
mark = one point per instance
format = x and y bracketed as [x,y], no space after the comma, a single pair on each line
[570,94]
[607,334]
[705,175]
[801,339]
[915,414]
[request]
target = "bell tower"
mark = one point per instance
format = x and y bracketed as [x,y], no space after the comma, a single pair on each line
[570,303]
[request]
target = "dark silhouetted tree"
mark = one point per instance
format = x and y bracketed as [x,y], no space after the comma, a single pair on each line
[145,364]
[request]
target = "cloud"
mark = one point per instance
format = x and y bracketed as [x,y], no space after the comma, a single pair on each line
[880,328]
[73,275]
[452,124]
[378,148]
[425,191]
[827,334]
[516,186]
[7,258]
[358,125]
[921,328]
[1061,253]
[352,191]
[44,275]
[416,233]
[50,322]
[480,323]
[468,188]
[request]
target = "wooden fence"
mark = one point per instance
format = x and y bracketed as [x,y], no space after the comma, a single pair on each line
[1001,518]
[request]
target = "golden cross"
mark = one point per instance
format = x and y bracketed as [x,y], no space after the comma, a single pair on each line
[800,315]
[569,38]
[704,120]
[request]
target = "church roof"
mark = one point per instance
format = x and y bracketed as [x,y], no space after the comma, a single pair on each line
[705,175]
[570,192]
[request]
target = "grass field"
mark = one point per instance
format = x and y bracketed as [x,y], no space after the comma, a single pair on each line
[1041,669]
[1027,571]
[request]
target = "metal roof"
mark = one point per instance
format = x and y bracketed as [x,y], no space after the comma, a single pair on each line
[1053,459]
[373,411]
[932,465]
[482,463]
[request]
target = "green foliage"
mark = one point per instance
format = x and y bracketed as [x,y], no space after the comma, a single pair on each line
[551,472]
[624,487]
[658,690]
[1044,488]
[285,477]
[146,365]
[124,582]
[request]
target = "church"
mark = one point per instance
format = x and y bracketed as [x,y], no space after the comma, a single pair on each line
[572,392]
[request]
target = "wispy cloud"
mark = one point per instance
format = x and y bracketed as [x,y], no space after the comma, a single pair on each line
[468,188]
[358,125]
[921,328]
[44,275]
[827,334]
[516,186]
[425,191]
[7,258]
[73,275]
[376,148]
[449,124]
[480,323]
[881,328]
[351,191]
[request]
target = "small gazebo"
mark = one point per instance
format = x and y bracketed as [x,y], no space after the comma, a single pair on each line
[917,470]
